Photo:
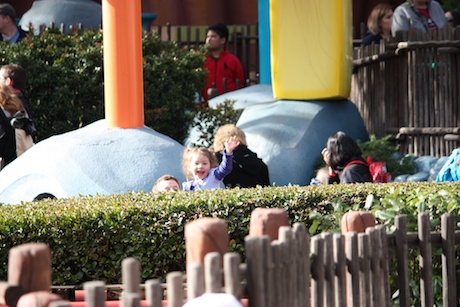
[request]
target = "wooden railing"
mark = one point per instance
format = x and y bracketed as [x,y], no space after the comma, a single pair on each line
[411,81]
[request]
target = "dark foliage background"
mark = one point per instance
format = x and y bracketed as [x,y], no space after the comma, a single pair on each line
[66,82]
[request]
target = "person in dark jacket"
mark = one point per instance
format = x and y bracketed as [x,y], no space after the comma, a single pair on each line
[9,30]
[343,157]
[379,24]
[248,169]
[7,141]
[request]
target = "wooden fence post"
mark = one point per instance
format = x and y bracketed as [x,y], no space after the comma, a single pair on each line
[340,262]
[329,287]
[286,237]
[365,276]
[402,259]
[175,290]
[376,272]
[351,252]
[317,271]
[302,239]
[277,285]
[131,275]
[256,269]
[426,276]
[232,275]
[153,293]
[212,272]
[449,296]
[384,263]
[94,293]
[195,280]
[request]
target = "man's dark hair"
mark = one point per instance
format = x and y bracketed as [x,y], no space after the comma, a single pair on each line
[342,149]
[17,74]
[220,29]
[7,9]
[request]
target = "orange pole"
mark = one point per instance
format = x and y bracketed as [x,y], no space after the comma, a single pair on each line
[123,80]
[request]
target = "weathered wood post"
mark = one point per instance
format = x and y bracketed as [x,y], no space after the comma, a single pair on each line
[203,236]
[131,275]
[94,293]
[153,293]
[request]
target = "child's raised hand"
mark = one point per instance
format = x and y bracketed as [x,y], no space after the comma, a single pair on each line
[231,144]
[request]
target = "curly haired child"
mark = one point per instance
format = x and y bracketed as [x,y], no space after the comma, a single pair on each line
[200,165]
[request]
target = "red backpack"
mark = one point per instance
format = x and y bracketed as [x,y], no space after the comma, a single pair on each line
[377,170]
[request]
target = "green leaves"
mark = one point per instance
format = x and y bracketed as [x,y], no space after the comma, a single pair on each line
[208,120]
[65,85]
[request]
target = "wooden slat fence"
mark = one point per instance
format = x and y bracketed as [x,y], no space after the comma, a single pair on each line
[411,81]
[325,270]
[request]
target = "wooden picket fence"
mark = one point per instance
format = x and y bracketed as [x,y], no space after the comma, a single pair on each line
[409,87]
[298,271]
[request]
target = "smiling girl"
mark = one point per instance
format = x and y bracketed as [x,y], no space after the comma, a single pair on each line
[200,165]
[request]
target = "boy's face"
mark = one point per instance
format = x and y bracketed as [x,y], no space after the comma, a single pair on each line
[168,185]
[2,77]
[214,41]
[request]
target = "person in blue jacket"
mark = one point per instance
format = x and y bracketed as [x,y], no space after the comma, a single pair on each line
[200,166]
[424,15]
[9,30]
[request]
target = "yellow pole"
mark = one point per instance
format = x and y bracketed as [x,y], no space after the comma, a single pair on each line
[123,80]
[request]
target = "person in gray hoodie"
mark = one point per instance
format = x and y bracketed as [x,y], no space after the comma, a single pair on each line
[424,15]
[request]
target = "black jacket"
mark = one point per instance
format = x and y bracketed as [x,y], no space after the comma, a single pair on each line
[357,170]
[248,170]
[8,140]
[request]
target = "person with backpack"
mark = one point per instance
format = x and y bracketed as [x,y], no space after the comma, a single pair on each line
[343,158]
[14,111]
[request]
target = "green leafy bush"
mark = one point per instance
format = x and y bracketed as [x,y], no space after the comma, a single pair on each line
[383,149]
[65,81]
[208,120]
[90,236]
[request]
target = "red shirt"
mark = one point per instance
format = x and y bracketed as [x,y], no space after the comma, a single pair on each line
[227,67]
[426,13]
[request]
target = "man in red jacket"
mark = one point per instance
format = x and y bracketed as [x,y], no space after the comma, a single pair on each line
[225,72]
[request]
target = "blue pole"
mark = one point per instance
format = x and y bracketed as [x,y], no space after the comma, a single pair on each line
[264,42]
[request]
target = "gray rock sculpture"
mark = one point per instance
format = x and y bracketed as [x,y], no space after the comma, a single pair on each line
[91,160]
[67,12]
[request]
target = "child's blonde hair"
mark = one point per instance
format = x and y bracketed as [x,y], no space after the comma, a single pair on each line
[224,133]
[190,152]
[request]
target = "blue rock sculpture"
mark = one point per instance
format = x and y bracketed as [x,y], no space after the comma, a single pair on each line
[91,160]
[67,12]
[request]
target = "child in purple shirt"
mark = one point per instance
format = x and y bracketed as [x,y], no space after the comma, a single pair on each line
[201,165]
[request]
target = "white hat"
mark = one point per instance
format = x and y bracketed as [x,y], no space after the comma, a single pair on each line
[214,300]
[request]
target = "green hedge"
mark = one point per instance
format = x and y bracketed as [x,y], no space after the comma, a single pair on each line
[65,81]
[90,236]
